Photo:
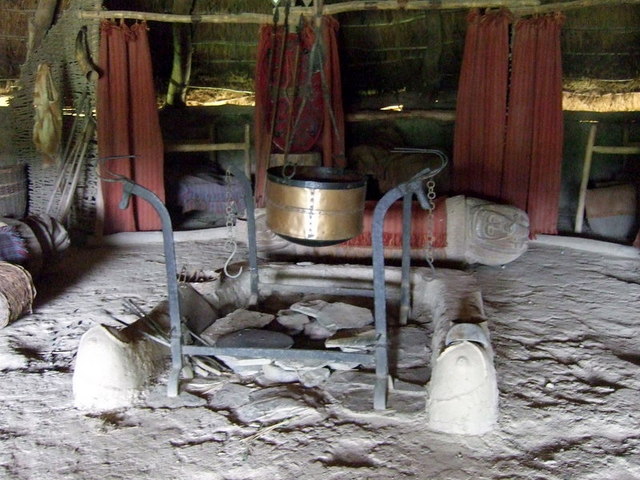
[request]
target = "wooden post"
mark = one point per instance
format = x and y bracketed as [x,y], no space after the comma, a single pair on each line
[586,170]
[182,54]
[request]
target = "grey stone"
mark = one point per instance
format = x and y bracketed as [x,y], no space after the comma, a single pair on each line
[408,347]
[335,316]
[347,316]
[347,366]
[273,373]
[303,364]
[255,338]
[236,320]
[244,367]
[294,321]
[417,375]
[275,404]
[354,390]
[353,341]
[314,377]
[311,308]
[229,396]
[300,364]
[198,312]
[318,331]
[251,338]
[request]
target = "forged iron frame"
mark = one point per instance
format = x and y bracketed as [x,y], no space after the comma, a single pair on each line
[379,292]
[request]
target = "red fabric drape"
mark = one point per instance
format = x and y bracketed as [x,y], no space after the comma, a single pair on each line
[511,153]
[333,131]
[392,228]
[533,151]
[481,105]
[308,106]
[128,124]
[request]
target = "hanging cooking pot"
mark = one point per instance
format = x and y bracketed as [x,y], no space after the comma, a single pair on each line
[315,206]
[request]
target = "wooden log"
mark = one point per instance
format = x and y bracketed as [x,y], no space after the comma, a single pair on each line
[257,18]
[518,7]
[16,293]
[182,57]
[571,5]
[364,116]
[295,12]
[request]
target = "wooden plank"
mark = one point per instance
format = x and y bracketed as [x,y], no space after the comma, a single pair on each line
[570,5]
[202,146]
[441,115]
[624,150]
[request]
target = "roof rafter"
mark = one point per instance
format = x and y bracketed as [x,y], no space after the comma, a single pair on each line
[518,7]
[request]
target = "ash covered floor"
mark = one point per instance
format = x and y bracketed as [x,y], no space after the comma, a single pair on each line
[564,327]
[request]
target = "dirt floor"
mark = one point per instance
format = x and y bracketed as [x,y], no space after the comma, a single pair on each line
[564,326]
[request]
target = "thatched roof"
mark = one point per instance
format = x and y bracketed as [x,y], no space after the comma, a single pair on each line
[383,51]
[14,23]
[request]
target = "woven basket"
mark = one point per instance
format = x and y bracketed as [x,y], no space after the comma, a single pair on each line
[16,293]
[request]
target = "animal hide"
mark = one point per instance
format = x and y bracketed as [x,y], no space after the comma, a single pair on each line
[47,127]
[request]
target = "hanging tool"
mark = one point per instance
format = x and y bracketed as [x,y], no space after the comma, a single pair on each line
[315,65]
[320,58]
[230,243]
[296,68]
[323,76]
[276,15]
[73,158]
[75,168]
[270,72]
[272,48]
[276,94]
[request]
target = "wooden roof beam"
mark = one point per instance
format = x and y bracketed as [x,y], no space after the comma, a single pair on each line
[296,12]
[518,7]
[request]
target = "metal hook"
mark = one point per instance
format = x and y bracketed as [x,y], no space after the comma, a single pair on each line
[288,167]
[226,264]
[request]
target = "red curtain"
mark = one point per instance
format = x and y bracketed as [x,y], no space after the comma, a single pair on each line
[533,151]
[304,104]
[481,105]
[511,153]
[128,124]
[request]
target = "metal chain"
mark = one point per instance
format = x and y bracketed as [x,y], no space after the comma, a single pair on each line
[230,244]
[229,209]
[431,235]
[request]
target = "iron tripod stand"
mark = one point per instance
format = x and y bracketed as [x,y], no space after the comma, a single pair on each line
[379,355]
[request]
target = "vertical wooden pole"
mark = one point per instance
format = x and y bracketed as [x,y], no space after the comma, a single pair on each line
[586,171]
[182,55]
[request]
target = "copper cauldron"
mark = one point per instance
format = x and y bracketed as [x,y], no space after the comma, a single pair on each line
[316,206]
